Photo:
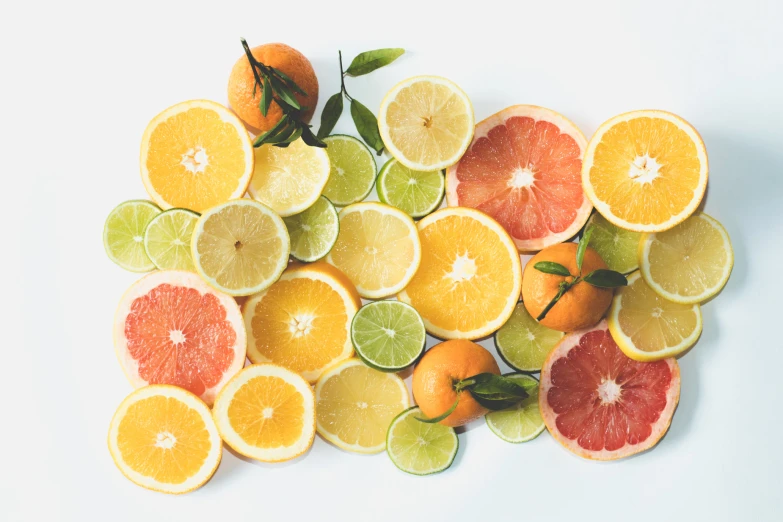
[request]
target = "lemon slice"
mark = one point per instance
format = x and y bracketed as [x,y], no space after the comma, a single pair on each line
[648,327]
[689,263]
[378,248]
[426,122]
[240,247]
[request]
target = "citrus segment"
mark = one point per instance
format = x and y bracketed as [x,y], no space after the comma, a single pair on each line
[415,192]
[313,232]
[420,448]
[123,234]
[352,170]
[523,342]
[616,246]
[521,422]
[167,239]
[388,335]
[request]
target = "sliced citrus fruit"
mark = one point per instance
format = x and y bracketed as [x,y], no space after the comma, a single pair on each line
[601,405]
[123,234]
[266,413]
[378,248]
[196,154]
[355,405]
[470,274]
[167,239]
[163,438]
[172,328]
[688,263]
[648,327]
[415,192]
[521,422]
[303,321]
[420,448]
[313,232]
[240,247]
[289,179]
[388,335]
[353,170]
[523,169]
[645,170]
[426,122]
[616,246]
[523,342]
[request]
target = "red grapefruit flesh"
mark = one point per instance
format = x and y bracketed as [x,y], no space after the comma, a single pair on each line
[524,168]
[172,328]
[602,405]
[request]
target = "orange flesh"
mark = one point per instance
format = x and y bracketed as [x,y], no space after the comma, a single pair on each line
[267,412]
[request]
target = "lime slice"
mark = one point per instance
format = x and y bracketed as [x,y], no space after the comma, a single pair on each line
[523,342]
[420,448]
[522,422]
[388,335]
[616,246]
[167,239]
[314,232]
[123,234]
[352,170]
[415,192]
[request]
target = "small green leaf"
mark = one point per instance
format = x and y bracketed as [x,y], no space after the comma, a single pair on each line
[369,61]
[605,278]
[330,115]
[442,416]
[284,93]
[310,139]
[496,387]
[288,81]
[580,250]
[266,97]
[264,138]
[549,267]
[496,405]
[367,125]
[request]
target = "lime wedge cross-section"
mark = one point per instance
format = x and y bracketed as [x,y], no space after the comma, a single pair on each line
[522,422]
[388,335]
[313,232]
[123,234]
[420,448]
[415,192]
[167,239]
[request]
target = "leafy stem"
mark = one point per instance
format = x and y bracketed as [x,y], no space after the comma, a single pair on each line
[343,74]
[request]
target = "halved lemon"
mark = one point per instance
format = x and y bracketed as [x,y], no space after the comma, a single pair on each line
[648,327]
[266,413]
[163,438]
[378,248]
[355,405]
[240,247]
[303,321]
[645,171]
[195,154]
[426,122]
[689,263]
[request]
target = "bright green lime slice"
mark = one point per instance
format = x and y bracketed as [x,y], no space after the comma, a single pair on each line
[522,422]
[414,192]
[523,342]
[420,448]
[167,239]
[616,246]
[388,335]
[313,232]
[123,234]
[353,170]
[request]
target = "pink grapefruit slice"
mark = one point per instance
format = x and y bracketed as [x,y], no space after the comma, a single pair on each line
[524,168]
[173,328]
[602,405]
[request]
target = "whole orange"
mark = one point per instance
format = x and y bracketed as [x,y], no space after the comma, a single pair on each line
[580,307]
[440,369]
[241,82]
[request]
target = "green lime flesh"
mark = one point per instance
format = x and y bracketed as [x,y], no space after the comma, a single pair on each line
[352,172]
[522,422]
[388,335]
[523,342]
[415,192]
[167,239]
[616,246]
[313,232]
[420,448]
[123,234]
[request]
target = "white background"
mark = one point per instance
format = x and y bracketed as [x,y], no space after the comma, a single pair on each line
[80,82]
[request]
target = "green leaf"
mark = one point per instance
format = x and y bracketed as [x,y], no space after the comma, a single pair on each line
[284,135]
[580,250]
[310,139]
[288,81]
[496,387]
[605,278]
[367,125]
[550,267]
[496,405]
[369,61]
[284,93]
[261,139]
[329,116]
[442,416]
[266,97]
[293,137]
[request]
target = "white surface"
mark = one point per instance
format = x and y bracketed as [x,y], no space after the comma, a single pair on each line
[81,81]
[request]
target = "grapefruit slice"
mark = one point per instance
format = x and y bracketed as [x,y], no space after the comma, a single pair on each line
[602,405]
[523,168]
[173,328]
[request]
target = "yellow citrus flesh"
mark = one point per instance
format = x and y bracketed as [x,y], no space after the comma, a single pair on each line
[378,248]
[645,171]
[289,179]
[195,155]
[303,321]
[266,413]
[648,327]
[356,404]
[470,275]
[163,438]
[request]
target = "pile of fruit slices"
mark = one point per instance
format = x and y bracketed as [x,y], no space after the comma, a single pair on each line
[319,321]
